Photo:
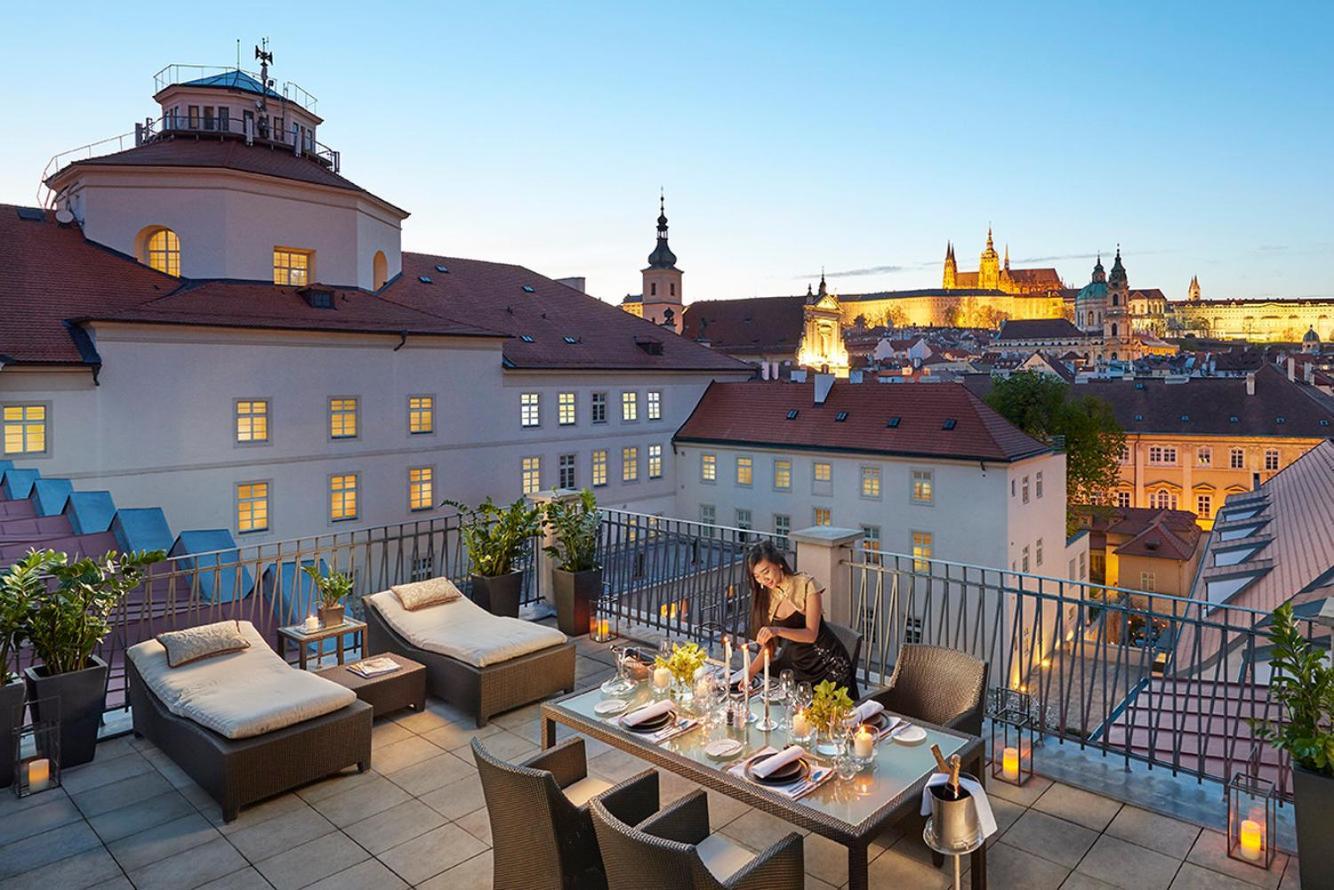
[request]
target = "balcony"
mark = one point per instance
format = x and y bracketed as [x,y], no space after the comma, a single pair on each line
[1127,687]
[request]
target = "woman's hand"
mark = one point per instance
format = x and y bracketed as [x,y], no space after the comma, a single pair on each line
[765,635]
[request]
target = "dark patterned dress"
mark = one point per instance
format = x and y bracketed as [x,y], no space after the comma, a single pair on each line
[825,659]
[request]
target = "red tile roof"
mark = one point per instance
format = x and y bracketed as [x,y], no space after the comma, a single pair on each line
[760,324]
[1039,329]
[755,414]
[1163,541]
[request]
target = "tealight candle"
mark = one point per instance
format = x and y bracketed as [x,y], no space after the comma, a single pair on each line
[39,774]
[1010,764]
[1252,840]
[863,743]
[312,624]
[662,677]
[801,724]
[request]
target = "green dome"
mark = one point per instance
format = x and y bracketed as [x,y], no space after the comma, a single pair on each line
[1094,290]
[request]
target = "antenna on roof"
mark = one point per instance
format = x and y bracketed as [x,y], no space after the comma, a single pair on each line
[238,54]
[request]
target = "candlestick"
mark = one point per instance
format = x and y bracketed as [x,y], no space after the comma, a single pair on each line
[1010,764]
[312,624]
[767,724]
[39,774]
[863,743]
[1252,840]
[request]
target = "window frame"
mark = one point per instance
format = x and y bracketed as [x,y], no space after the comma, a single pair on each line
[749,463]
[430,500]
[1277,461]
[1204,456]
[237,500]
[870,473]
[525,469]
[630,463]
[929,476]
[1236,458]
[23,434]
[568,399]
[828,515]
[786,520]
[598,400]
[655,460]
[535,407]
[356,497]
[712,510]
[356,418]
[308,253]
[1208,500]
[573,467]
[593,462]
[430,410]
[708,467]
[785,464]
[171,259]
[653,405]
[629,406]
[1162,459]
[268,422]
[921,563]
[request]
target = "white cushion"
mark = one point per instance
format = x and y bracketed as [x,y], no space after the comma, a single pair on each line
[430,592]
[465,631]
[239,694]
[205,641]
[581,792]
[722,857]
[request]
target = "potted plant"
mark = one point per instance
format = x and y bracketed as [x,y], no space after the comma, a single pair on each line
[494,537]
[18,587]
[333,589]
[1302,681]
[66,622]
[577,576]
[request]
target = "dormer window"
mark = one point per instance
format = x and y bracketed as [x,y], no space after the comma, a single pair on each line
[293,267]
[162,251]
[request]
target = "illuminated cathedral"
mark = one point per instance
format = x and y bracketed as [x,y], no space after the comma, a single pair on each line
[993,273]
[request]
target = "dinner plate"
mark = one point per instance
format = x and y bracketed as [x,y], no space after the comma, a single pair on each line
[610,706]
[879,721]
[721,749]
[654,724]
[785,775]
[913,735]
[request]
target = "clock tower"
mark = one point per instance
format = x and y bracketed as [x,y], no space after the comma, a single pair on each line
[662,280]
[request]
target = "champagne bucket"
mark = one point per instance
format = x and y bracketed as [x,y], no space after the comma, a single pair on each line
[954,820]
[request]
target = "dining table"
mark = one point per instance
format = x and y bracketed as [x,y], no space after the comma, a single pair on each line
[851,812]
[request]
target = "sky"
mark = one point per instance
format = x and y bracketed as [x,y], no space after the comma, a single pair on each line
[857,138]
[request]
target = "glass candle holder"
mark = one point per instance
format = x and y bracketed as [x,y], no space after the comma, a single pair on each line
[1251,820]
[37,750]
[1012,747]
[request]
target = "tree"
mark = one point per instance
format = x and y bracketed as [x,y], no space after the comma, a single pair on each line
[1086,428]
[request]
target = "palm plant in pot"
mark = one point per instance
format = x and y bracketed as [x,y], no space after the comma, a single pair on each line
[67,621]
[1303,683]
[494,537]
[19,585]
[577,576]
[333,590]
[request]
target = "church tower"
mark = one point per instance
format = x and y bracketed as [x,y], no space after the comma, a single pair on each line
[1116,322]
[662,280]
[1193,294]
[822,348]
[949,282]
[988,268]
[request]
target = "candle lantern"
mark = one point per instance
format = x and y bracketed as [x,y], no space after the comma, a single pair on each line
[1251,817]
[1012,740]
[37,750]
[599,626]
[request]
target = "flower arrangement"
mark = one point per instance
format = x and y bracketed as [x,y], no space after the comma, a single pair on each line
[829,705]
[683,662]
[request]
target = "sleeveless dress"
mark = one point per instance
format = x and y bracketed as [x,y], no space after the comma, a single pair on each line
[825,659]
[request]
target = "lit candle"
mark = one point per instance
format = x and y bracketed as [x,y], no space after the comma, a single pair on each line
[863,742]
[727,656]
[312,624]
[1252,840]
[801,725]
[662,677]
[766,674]
[1010,764]
[604,628]
[39,774]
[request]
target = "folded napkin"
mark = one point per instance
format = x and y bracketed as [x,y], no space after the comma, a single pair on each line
[986,820]
[648,712]
[866,710]
[795,791]
[777,761]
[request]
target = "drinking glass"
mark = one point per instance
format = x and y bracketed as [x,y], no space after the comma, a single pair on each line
[845,763]
[804,695]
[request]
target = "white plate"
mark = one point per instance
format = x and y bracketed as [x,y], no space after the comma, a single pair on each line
[721,749]
[610,706]
[913,735]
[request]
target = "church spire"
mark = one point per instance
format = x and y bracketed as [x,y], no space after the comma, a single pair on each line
[823,289]
[1007,257]
[990,246]
[662,256]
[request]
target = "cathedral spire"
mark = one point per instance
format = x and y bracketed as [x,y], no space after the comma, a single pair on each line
[1007,257]
[662,256]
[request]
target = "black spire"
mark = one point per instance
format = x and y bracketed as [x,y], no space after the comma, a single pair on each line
[1118,272]
[662,256]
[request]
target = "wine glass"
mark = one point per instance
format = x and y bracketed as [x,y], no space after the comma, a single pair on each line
[804,695]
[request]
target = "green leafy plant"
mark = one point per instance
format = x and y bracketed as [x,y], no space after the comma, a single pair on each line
[20,585]
[495,536]
[829,704]
[683,662]
[1303,682]
[67,621]
[332,588]
[576,525]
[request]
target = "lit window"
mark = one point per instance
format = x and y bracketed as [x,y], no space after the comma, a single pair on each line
[871,543]
[1125,454]
[654,405]
[1123,498]
[823,472]
[565,411]
[343,497]
[1204,456]
[1237,458]
[566,471]
[252,507]
[252,420]
[743,518]
[782,524]
[655,461]
[922,548]
[530,409]
[629,406]
[599,407]
[343,418]
[870,482]
[708,467]
[744,470]
[783,475]
[923,487]
[823,516]
[421,414]
[629,464]
[1204,506]
[599,467]
[1271,458]
[164,252]
[1162,455]
[1163,499]
[1037,490]
[421,488]
[532,475]
[25,429]
[708,514]
[1037,551]
[292,267]
[1025,489]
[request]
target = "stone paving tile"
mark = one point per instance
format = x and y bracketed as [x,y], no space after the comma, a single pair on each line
[427,856]
[114,795]
[116,824]
[519,718]
[1197,877]
[35,820]
[1051,838]
[1156,832]
[893,869]
[1076,805]
[827,860]
[1024,795]
[104,771]
[421,722]
[1120,862]
[473,874]
[1210,851]
[311,861]
[190,868]
[371,873]
[453,737]
[432,773]
[365,800]
[1079,881]
[394,826]
[9,804]
[506,745]
[386,732]
[90,868]
[45,848]
[758,830]
[337,784]
[284,832]
[401,755]
[245,879]
[814,883]
[477,824]
[261,812]
[1292,879]
[1009,866]
[161,841]
[457,798]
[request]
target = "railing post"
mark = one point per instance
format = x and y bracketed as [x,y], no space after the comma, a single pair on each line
[821,553]
[542,563]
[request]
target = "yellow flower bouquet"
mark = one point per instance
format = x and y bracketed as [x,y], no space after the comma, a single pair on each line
[683,662]
[829,705]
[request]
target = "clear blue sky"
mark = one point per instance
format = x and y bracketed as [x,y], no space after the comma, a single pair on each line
[854,137]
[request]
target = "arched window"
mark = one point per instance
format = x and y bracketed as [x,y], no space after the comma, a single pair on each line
[161,250]
[379,270]
[1113,329]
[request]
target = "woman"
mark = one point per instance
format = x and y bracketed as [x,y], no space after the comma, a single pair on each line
[786,606]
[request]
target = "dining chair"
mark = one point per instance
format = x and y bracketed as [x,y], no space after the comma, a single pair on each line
[852,642]
[937,685]
[541,830]
[673,850]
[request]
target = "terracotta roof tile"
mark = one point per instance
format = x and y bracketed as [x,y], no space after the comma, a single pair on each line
[1039,329]
[760,324]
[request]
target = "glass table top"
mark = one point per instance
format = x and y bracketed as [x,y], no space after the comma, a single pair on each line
[895,769]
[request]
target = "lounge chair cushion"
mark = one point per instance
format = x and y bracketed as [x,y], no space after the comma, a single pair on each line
[194,643]
[240,694]
[431,592]
[465,631]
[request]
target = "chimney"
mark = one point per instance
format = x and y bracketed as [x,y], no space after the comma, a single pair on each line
[1310,373]
[578,282]
[823,384]
[1292,368]
[1250,384]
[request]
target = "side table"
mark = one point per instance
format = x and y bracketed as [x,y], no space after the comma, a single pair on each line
[298,634]
[394,691]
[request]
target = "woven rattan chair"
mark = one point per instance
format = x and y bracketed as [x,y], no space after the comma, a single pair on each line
[852,642]
[937,685]
[542,834]
[673,850]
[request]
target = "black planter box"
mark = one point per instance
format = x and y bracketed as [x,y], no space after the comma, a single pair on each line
[498,595]
[11,718]
[1313,796]
[575,594]
[82,695]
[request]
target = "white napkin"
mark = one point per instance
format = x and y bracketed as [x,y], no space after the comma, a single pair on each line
[648,712]
[777,761]
[986,820]
[867,709]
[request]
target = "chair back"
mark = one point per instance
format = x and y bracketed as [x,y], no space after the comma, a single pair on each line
[524,806]
[942,686]
[636,860]
[852,642]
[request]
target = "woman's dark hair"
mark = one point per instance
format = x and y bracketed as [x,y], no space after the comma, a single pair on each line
[764,551]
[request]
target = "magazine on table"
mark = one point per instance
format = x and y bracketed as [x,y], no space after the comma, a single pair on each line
[371,667]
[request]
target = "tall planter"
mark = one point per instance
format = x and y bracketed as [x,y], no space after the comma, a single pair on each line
[82,697]
[498,594]
[575,594]
[1314,803]
[11,718]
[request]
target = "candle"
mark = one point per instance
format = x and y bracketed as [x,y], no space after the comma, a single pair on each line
[312,624]
[1252,840]
[863,743]
[39,774]
[1010,764]
[801,725]
[766,675]
[745,667]
[662,677]
[727,656]
[604,628]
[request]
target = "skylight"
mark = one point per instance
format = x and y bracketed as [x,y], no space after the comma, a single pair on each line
[792,415]
[1280,419]
[1233,534]
[840,417]
[949,424]
[1234,556]
[1234,419]
[31,214]
[893,423]
[527,338]
[440,268]
[570,340]
[424,279]
[528,289]
[1223,589]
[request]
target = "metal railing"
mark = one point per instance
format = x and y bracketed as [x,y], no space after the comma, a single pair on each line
[180,73]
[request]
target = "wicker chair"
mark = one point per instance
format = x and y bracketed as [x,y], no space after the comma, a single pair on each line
[852,642]
[542,834]
[673,850]
[937,685]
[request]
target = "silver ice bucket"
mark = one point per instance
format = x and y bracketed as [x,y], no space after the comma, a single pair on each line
[953,819]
